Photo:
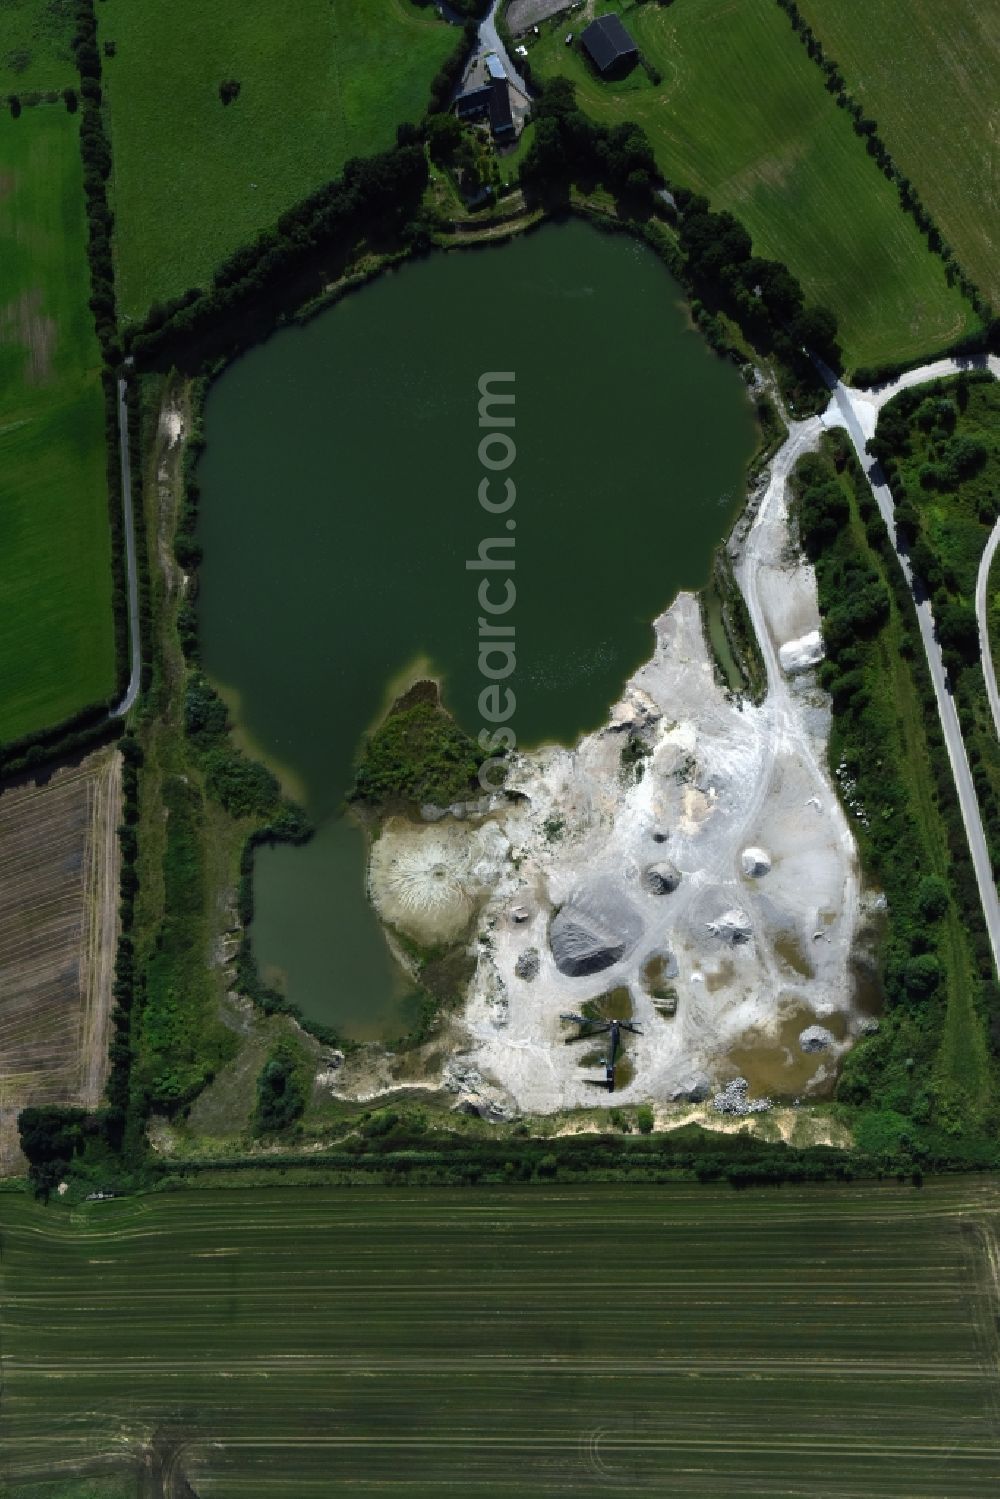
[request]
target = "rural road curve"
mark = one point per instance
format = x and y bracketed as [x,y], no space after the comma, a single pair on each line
[489,41]
[983,617]
[135,669]
[858,411]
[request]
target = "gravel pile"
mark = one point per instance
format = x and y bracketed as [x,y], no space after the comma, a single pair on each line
[734,1099]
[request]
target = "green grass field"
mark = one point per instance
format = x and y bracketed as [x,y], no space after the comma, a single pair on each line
[321,81]
[742,115]
[56,636]
[549,1341]
[929,76]
[35,51]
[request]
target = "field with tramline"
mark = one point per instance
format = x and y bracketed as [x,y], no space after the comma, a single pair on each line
[57,650]
[507,1343]
[320,81]
[928,74]
[741,114]
[58,903]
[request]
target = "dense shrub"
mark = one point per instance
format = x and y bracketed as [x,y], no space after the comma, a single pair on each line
[50,1138]
[244,787]
[418,755]
[284,266]
[281,1091]
[568,147]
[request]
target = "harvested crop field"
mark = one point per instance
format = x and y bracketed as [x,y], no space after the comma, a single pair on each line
[58,919]
[686,1340]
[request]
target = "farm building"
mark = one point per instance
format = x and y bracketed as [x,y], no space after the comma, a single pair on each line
[474,104]
[501,117]
[609,46]
[489,100]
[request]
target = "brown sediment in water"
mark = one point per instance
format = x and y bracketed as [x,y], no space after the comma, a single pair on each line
[789,950]
[655,980]
[720,977]
[292,785]
[775,1066]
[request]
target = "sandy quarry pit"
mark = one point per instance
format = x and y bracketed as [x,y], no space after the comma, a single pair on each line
[755,935]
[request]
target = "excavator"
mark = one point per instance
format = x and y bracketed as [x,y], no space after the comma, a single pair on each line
[613,1028]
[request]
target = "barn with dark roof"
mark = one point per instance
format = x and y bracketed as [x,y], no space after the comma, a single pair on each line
[609,46]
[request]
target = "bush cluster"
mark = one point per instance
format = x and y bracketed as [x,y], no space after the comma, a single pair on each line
[921,445]
[568,147]
[96,153]
[449,75]
[281,1090]
[860,586]
[761,296]
[418,755]
[285,264]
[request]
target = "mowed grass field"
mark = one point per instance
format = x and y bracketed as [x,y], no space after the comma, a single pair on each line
[56,633]
[649,1341]
[928,74]
[321,81]
[742,116]
[35,50]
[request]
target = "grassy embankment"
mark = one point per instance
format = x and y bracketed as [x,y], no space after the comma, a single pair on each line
[741,115]
[929,1066]
[897,58]
[56,633]
[200,799]
[35,52]
[253,1342]
[943,450]
[194,178]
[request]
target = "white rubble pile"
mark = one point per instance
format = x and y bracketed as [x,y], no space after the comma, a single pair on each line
[756,862]
[817,1038]
[801,655]
[735,1099]
[732,926]
[475,1094]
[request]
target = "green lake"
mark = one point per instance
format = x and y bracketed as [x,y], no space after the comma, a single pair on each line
[340,505]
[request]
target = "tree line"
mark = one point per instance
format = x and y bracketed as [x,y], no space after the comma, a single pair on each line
[859,586]
[953,457]
[867,129]
[377,195]
[717,261]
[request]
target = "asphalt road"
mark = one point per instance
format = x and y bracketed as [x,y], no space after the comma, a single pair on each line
[489,41]
[135,669]
[983,617]
[848,403]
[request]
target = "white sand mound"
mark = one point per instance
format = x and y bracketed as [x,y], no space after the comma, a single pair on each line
[802,654]
[756,861]
[427,881]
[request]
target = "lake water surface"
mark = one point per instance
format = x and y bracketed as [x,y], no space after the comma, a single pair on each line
[339,507]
